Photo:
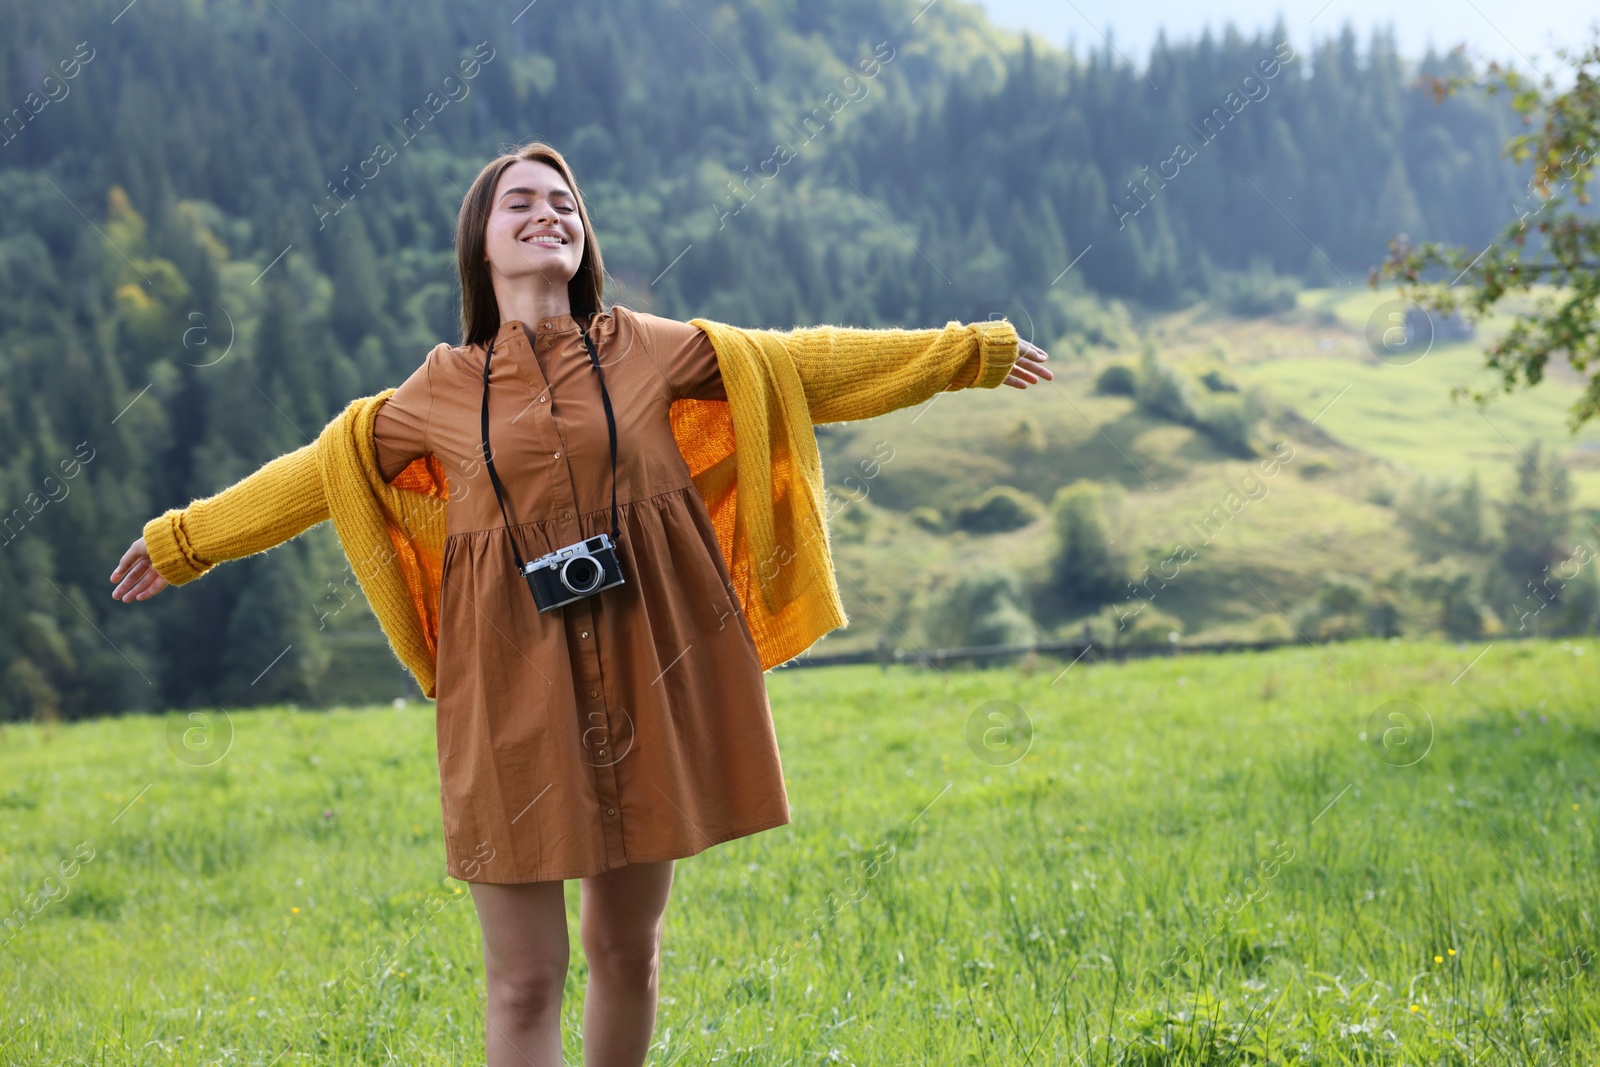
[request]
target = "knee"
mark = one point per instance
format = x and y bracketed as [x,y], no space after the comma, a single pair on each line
[529,989]
[630,960]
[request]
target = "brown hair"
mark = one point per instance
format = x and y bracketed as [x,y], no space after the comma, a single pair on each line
[480,311]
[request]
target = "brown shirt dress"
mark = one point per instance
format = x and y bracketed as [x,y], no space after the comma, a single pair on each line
[631,725]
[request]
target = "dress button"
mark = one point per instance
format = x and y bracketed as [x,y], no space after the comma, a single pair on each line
[542,399]
[555,455]
[601,752]
[566,514]
[584,634]
[594,692]
[611,811]
[547,326]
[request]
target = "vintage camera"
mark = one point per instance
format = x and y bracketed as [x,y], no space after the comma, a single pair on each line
[573,572]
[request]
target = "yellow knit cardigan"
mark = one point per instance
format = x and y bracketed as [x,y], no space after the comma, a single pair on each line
[765,498]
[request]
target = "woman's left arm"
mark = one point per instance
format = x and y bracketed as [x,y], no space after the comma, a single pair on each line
[851,374]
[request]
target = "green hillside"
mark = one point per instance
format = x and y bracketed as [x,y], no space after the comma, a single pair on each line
[1201,860]
[1338,507]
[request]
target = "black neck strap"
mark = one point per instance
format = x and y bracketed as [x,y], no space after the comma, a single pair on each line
[611,426]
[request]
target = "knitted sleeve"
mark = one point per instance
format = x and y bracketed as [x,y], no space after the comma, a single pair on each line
[853,374]
[279,501]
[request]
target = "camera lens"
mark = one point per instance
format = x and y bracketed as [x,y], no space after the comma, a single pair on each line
[581,573]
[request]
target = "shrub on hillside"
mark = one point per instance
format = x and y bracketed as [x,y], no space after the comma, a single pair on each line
[1117,379]
[1347,606]
[1578,611]
[1025,440]
[1272,627]
[928,518]
[1083,319]
[1001,508]
[1085,569]
[1024,446]
[1453,595]
[1536,518]
[1228,418]
[1255,292]
[1230,421]
[851,522]
[985,604]
[1149,629]
[1164,391]
[1338,611]
[1443,516]
[1380,492]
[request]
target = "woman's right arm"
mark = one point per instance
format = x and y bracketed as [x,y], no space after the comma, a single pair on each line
[279,501]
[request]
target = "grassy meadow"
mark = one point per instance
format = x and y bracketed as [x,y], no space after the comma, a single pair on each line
[1257,858]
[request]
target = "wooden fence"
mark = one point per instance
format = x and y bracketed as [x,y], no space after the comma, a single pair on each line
[1077,648]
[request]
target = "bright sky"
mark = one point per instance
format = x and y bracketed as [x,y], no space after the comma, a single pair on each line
[1515,31]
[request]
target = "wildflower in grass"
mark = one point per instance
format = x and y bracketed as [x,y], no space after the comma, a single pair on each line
[1438,959]
[1452,951]
[1413,1007]
[295,910]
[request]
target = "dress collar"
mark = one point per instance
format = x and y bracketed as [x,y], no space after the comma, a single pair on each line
[553,324]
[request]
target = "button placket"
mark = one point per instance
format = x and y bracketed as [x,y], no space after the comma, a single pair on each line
[562,490]
[554,344]
[599,732]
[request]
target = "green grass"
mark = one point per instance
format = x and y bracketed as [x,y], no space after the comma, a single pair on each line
[1022,910]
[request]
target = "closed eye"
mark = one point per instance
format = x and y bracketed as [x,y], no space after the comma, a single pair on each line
[564,209]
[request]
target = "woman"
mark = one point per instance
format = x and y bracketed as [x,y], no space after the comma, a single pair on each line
[606,738]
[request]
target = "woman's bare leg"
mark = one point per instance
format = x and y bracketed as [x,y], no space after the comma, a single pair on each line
[620,920]
[525,954]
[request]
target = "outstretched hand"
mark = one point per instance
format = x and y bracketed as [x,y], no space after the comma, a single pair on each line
[1029,367]
[140,580]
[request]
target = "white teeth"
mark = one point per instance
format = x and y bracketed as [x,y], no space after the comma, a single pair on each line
[545,240]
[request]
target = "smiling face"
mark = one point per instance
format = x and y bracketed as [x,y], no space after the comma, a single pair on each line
[534,234]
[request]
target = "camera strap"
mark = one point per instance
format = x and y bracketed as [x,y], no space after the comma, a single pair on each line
[611,427]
